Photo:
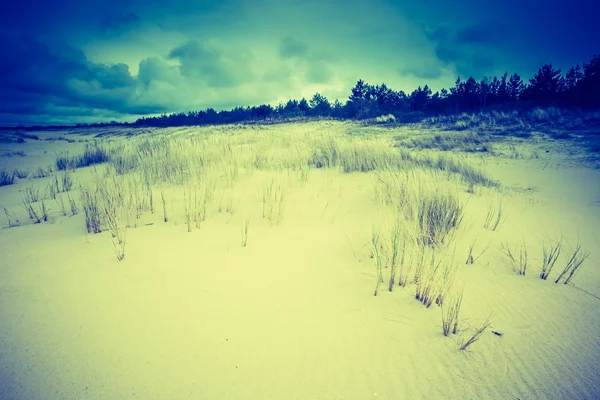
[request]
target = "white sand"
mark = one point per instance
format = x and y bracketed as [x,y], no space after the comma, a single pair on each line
[292,315]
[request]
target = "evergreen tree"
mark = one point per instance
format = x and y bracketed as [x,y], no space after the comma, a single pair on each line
[291,109]
[358,99]
[589,85]
[304,107]
[545,87]
[485,91]
[419,98]
[515,87]
[320,105]
[502,93]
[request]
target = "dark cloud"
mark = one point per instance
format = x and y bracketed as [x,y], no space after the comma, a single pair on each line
[154,69]
[470,50]
[483,63]
[114,24]
[109,77]
[481,34]
[291,47]
[35,77]
[203,63]
[34,67]
[431,70]
[447,54]
[179,55]
[438,34]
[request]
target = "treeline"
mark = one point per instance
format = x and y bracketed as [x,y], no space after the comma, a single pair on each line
[577,88]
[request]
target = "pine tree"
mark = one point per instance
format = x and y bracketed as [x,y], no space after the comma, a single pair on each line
[320,105]
[589,85]
[515,88]
[545,87]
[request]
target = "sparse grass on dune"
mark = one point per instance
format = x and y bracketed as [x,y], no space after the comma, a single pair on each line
[519,262]
[362,155]
[38,213]
[550,254]
[476,334]
[578,256]
[420,195]
[419,198]
[438,214]
[422,223]
[64,161]
[273,201]
[466,141]
[11,218]
[21,173]
[6,177]
[471,258]
[41,172]
[376,250]
[450,313]
[495,216]
[111,203]
[494,121]
[245,231]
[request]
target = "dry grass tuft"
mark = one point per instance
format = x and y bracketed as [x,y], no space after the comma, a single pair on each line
[519,265]
[477,334]
[575,261]
[550,254]
[450,312]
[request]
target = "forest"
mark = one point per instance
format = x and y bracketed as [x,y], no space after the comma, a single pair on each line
[578,88]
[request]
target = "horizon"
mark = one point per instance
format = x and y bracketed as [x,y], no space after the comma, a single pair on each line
[93,62]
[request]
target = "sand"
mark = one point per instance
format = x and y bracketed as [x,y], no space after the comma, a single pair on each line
[194,315]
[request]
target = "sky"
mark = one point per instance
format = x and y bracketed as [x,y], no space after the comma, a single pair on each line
[73,61]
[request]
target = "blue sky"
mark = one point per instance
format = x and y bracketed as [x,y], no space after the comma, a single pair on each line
[85,61]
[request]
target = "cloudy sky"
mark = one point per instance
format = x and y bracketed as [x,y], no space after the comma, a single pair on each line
[70,61]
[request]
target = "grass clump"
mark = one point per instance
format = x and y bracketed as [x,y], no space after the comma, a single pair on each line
[32,194]
[434,278]
[245,228]
[21,173]
[438,214]
[110,204]
[519,263]
[72,205]
[325,153]
[550,254]
[41,172]
[273,202]
[450,312]
[577,258]
[60,202]
[37,213]
[163,199]
[94,153]
[64,161]
[495,217]
[6,177]
[470,258]
[477,334]
[376,248]
[395,250]
[467,172]
[11,218]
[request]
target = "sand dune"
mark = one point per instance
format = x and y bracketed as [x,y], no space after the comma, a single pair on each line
[292,314]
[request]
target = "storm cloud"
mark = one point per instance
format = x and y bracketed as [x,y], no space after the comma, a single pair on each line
[74,61]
